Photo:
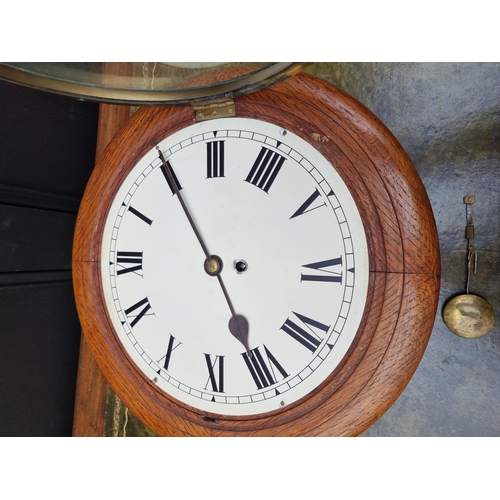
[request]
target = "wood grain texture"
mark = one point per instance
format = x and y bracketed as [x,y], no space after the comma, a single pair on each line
[403,264]
[91,388]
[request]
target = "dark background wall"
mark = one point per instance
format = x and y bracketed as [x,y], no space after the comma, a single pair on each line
[447,117]
[47,147]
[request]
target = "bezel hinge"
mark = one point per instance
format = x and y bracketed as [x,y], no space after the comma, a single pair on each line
[214,109]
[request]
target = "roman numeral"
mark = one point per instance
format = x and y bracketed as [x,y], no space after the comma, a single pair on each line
[129,262]
[167,178]
[137,317]
[172,345]
[265,169]
[309,338]
[307,205]
[261,369]
[330,276]
[140,215]
[215,159]
[215,372]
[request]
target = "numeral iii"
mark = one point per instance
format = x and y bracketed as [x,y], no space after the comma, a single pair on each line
[215,159]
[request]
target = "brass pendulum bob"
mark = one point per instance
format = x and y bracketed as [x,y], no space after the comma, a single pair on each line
[468,315]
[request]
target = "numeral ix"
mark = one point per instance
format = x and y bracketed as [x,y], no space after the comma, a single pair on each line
[215,372]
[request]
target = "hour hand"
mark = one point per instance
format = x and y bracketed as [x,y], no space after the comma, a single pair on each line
[238,326]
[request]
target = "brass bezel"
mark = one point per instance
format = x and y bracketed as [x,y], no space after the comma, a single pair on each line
[236,87]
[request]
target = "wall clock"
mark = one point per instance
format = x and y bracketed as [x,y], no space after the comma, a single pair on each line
[264,266]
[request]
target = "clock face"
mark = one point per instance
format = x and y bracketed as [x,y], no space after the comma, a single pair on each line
[294,260]
[272,273]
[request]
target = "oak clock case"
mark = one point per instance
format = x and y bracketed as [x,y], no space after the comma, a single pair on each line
[325,244]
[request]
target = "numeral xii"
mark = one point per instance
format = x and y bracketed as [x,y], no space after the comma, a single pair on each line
[129,262]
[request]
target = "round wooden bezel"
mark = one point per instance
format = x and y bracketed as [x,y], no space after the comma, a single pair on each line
[404,265]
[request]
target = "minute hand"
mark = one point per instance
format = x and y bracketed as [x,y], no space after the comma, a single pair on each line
[168,173]
[238,324]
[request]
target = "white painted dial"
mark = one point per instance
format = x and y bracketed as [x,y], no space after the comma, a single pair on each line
[295,265]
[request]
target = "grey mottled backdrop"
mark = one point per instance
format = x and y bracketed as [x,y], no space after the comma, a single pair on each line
[447,117]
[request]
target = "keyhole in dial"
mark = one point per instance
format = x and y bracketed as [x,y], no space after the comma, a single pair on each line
[240,266]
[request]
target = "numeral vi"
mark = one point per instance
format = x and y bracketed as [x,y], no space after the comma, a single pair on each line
[325,271]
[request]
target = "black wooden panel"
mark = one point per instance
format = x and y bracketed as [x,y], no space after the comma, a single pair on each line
[45,140]
[47,149]
[39,338]
[35,240]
